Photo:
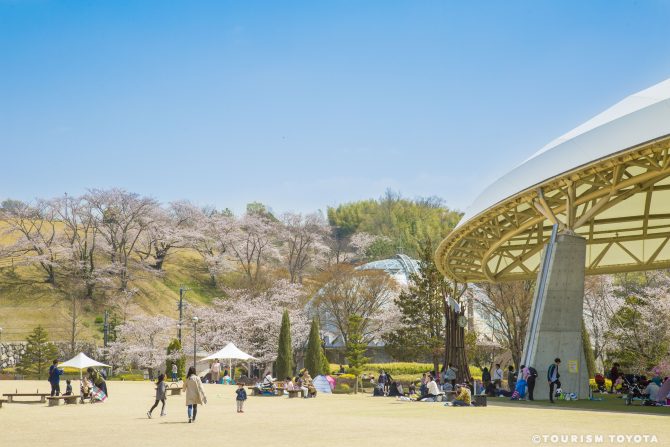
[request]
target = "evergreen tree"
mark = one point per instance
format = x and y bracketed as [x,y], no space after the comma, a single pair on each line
[422,334]
[356,347]
[316,361]
[284,364]
[40,352]
[175,355]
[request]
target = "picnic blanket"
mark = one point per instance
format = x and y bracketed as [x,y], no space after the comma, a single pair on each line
[97,394]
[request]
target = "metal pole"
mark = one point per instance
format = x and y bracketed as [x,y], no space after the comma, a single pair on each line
[195,328]
[181,307]
[105,329]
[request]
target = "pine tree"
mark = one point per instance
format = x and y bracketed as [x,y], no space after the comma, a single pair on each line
[314,355]
[356,347]
[175,355]
[422,333]
[284,364]
[39,354]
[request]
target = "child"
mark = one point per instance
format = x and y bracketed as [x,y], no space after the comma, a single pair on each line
[68,388]
[161,389]
[241,397]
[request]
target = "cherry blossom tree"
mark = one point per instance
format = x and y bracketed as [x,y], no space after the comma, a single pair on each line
[303,243]
[168,230]
[369,294]
[142,342]
[121,218]
[33,227]
[252,243]
[252,320]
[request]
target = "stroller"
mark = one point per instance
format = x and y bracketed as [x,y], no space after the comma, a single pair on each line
[632,386]
[600,383]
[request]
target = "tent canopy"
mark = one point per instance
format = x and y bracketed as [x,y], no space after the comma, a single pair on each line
[229,352]
[322,384]
[81,361]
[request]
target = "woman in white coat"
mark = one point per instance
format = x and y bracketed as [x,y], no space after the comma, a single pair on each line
[195,395]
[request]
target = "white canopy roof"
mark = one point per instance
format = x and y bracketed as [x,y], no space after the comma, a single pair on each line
[230,351]
[81,361]
[641,117]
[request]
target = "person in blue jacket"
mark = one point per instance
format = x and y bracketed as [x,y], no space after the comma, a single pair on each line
[54,378]
[241,397]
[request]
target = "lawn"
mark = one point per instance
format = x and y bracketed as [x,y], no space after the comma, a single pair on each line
[346,420]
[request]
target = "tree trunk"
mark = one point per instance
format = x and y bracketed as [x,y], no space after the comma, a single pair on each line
[454,346]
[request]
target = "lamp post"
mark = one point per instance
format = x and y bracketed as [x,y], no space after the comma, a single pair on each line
[195,327]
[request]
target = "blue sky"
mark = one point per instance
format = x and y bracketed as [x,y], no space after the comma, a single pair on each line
[304,105]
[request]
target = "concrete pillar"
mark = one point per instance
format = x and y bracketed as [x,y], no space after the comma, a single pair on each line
[558,326]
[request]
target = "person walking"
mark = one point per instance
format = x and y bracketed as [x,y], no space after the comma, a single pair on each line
[216,371]
[552,378]
[161,389]
[195,395]
[498,376]
[54,378]
[241,397]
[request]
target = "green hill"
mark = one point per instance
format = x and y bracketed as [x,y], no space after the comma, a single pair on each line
[26,301]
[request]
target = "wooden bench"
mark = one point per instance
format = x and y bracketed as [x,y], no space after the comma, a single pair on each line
[255,391]
[10,396]
[295,393]
[479,400]
[175,390]
[54,401]
[1,401]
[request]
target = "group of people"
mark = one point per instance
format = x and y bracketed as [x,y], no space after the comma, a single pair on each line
[215,375]
[302,382]
[519,383]
[194,394]
[93,385]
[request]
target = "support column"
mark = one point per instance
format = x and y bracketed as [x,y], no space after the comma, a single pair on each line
[555,324]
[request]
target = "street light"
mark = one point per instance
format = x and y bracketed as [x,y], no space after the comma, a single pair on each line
[195,327]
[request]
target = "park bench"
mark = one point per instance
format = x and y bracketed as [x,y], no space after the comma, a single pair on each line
[175,390]
[54,401]
[1,401]
[10,396]
[256,391]
[295,393]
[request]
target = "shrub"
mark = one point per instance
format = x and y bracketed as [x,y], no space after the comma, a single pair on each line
[342,388]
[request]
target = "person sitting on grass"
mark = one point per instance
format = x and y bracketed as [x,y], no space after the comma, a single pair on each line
[463,396]
[433,390]
[412,389]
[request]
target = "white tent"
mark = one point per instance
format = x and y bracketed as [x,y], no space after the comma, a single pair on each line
[230,352]
[81,361]
[321,384]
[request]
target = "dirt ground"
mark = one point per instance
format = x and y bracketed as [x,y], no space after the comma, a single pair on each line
[342,420]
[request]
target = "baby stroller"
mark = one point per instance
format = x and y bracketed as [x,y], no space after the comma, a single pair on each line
[600,382]
[633,388]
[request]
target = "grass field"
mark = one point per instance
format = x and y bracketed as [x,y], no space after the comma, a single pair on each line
[344,420]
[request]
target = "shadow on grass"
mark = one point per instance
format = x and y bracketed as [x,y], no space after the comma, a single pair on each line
[608,404]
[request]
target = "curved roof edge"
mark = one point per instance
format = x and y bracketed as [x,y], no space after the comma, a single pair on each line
[639,118]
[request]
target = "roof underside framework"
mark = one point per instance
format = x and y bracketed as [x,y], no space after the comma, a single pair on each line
[619,201]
